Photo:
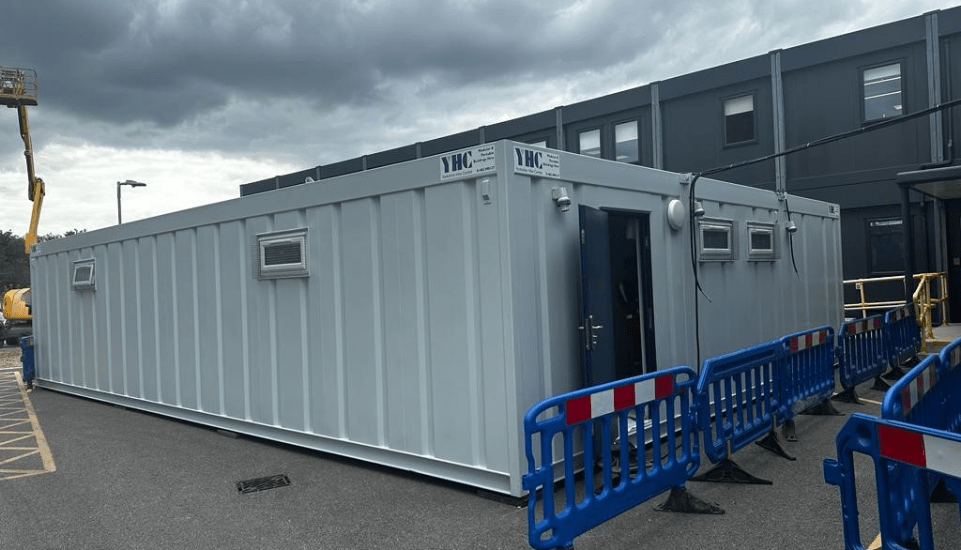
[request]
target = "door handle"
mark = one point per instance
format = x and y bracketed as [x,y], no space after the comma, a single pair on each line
[590,335]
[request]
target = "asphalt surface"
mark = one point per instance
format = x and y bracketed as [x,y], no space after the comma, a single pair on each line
[130,480]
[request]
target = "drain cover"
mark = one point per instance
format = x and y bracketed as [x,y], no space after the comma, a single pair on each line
[262,483]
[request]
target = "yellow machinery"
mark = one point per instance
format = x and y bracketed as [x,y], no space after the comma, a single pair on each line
[16,311]
[18,89]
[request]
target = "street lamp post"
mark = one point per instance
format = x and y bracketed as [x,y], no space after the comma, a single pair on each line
[131,183]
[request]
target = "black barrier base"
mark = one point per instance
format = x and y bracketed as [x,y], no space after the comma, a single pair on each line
[772,443]
[894,374]
[684,502]
[880,385]
[942,495]
[848,396]
[727,471]
[789,431]
[824,408]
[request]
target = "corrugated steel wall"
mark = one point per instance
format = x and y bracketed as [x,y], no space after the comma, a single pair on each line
[395,340]
[432,316]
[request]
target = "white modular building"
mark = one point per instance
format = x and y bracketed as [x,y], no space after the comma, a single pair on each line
[410,315]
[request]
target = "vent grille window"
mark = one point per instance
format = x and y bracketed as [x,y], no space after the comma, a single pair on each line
[762,242]
[716,240]
[282,254]
[84,275]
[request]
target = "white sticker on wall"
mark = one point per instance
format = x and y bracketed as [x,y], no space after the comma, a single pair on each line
[464,164]
[537,162]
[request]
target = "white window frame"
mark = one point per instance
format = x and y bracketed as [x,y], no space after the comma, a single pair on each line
[761,254]
[89,282]
[713,254]
[282,270]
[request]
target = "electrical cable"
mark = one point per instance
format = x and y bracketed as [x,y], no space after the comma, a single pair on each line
[816,143]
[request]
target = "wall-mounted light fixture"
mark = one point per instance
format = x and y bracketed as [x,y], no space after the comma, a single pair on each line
[561,199]
[676,214]
[698,209]
[791,227]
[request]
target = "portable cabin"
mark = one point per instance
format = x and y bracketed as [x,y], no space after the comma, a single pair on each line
[409,315]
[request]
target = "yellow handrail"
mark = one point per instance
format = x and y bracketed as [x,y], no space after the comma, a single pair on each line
[924,300]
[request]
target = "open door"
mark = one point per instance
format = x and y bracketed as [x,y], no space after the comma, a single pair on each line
[617,315]
[597,307]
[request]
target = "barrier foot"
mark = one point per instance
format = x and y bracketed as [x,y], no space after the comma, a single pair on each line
[942,495]
[727,471]
[880,385]
[680,500]
[895,373]
[772,443]
[848,396]
[789,431]
[824,408]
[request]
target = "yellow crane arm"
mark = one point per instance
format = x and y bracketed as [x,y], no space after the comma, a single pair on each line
[31,237]
[18,88]
[36,189]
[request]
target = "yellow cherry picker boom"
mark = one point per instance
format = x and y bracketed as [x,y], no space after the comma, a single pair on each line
[18,90]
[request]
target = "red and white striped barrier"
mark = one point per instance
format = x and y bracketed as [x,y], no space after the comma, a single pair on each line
[596,405]
[920,449]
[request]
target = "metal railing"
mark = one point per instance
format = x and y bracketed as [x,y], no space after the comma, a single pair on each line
[926,300]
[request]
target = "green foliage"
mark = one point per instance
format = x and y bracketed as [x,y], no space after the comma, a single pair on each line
[14,264]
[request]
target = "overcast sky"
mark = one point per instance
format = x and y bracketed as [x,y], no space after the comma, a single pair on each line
[195,97]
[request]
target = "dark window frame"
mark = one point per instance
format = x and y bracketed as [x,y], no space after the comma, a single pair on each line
[885,228]
[901,63]
[724,119]
[600,140]
[637,124]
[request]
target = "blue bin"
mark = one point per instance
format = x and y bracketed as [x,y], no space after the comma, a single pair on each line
[26,358]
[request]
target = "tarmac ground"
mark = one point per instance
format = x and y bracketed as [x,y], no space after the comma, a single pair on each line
[131,480]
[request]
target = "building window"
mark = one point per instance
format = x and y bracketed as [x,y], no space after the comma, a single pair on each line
[538,143]
[84,274]
[739,120]
[625,142]
[589,143]
[282,254]
[882,92]
[886,238]
[761,242]
[716,240]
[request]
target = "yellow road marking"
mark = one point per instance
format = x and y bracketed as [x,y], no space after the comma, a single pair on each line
[16,411]
[876,544]
[878,403]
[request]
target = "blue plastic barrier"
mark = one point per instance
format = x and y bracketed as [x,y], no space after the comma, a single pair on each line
[904,334]
[950,379]
[919,453]
[561,433]
[26,359]
[738,398]
[863,352]
[807,370]
[917,398]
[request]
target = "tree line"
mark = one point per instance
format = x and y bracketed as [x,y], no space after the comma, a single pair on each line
[14,264]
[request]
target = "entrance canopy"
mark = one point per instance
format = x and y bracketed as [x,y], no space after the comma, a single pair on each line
[942,183]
